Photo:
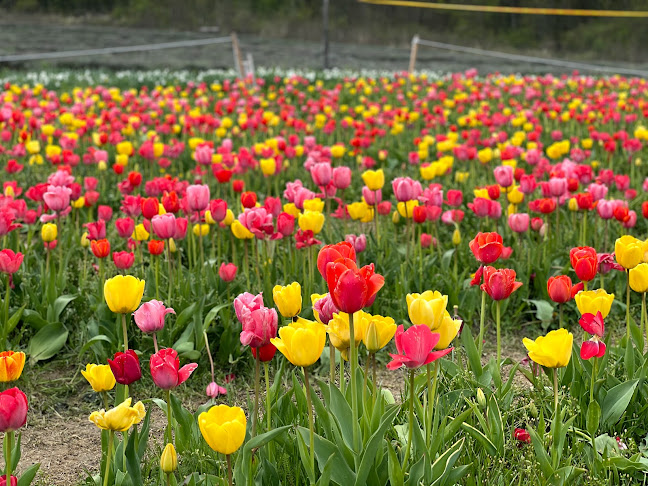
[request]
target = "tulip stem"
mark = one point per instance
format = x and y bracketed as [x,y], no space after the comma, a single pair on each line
[157,277]
[499,334]
[354,389]
[311,423]
[482,319]
[560,315]
[431,399]
[5,328]
[125,332]
[9,436]
[169,430]
[155,343]
[211,360]
[257,379]
[332,364]
[229,470]
[108,457]
[643,316]
[268,402]
[555,379]
[170,272]
[245,264]
[593,379]
[411,419]
[628,308]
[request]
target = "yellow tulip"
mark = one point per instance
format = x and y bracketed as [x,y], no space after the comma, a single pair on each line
[100,377]
[427,308]
[201,229]
[140,233]
[639,278]
[515,196]
[553,350]
[456,237]
[593,301]
[628,251]
[208,218]
[85,242]
[337,151]
[120,418]
[448,330]
[374,179]
[406,209]
[49,232]
[360,211]
[11,365]
[291,209]
[301,342]
[315,204]
[169,459]
[376,331]
[268,166]
[78,203]
[339,331]
[288,299]
[123,294]
[223,428]
[311,220]
[240,231]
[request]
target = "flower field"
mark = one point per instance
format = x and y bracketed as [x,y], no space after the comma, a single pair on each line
[283,246]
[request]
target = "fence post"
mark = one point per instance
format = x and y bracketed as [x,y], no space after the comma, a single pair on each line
[249,68]
[238,59]
[413,52]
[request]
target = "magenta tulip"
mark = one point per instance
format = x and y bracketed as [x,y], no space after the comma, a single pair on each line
[415,347]
[166,371]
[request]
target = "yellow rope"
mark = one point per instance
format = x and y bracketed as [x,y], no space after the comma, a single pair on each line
[512,10]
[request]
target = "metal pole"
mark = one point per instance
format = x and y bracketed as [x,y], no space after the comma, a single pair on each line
[325,31]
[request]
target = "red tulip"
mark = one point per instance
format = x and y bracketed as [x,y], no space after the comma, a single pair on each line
[123,259]
[584,261]
[227,272]
[150,207]
[559,289]
[594,325]
[238,185]
[9,261]
[156,247]
[419,214]
[352,288]
[521,435]
[415,347]
[266,353]
[13,410]
[166,371]
[487,247]
[125,367]
[330,253]
[125,227]
[499,284]
[644,209]
[249,199]
[100,248]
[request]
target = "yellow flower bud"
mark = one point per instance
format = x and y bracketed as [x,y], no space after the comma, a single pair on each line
[85,242]
[169,459]
[288,299]
[201,229]
[374,179]
[456,237]
[140,233]
[49,231]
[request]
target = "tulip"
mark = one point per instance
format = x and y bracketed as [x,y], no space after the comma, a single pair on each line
[341,177]
[639,278]
[197,197]
[427,308]
[125,367]
[9,261]
[301,342]
[323,308]
[164,225]
[100,377]
[503,175]
[150,316]
[331,253]
[213,390]
[415,347]
[499,284]
[123,260]
[311,221]
[249,199]
[166,371]
[120,418]
[628,251]
[13,410]
[521,435]
[593,301]
[285,224]
[352,288]
[486,247]
[123,294]
[519,223]
[125,227]
[169,459]
[339,332]
[223,428]
[552,350]
[11,365]
[266,353]
[594,347]
[376,331]
[100,248]
[288,299]
[227,271]
[140,233]
[584,261]
[12,482]
[374,179]
[49,232]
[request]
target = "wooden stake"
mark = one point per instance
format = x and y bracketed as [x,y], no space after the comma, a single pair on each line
[413,53]
[238,59]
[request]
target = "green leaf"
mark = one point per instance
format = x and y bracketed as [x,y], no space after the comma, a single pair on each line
[28,476]
[13,320]
[617,400]
[371,449]
[133,461]
[395,472]
[341,472]
[481,438]
[541,454]
[93,340]
[54,312]
[47,342]
[34,318]
[243,462]
[593,417]
[453,427]
[325,478]
[471,350]
[544,310]
[443,465]
[185,315]
[211,315]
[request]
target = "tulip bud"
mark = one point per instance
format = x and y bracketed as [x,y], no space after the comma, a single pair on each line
[102,165]
[169,459]
[395,217]
[481,398]
[172,246]
[456,237]
[533,410]
[85,242]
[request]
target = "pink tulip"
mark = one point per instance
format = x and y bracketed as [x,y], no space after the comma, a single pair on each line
[598,191]
[246,302]
[519,222]
[557,186]
[322,173]
[605,208]
[455,198]
[203,154]
[406,189]
[164,225]
[341,177]
[105,213]
[480,206]
[218,209]
[273,206]
[259,326]
[6,221]
[13,410]
[227,272]
[9,261]
[57,198]
[258,221]
[528,184]
[166,371]
[197,197]
[123,259]
[214,390]
[132,206]
[359,242]
[371,197]
[125,227]
[96,230]
[426,240]
[325,309]
[180,228]
[285,224]
[504,175]
[415,347]
[150,316]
